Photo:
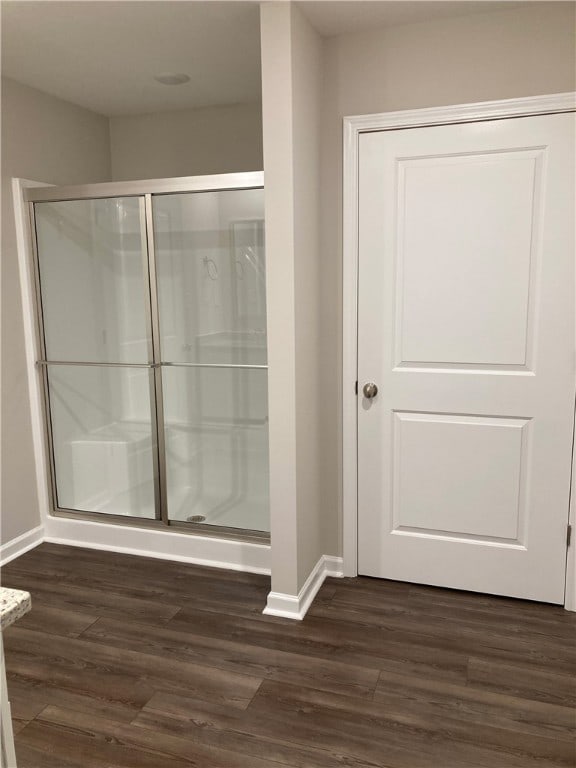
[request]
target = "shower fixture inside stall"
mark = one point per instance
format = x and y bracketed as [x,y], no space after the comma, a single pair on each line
[152,329]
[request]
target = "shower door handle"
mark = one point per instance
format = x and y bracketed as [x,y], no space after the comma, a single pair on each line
[47,363]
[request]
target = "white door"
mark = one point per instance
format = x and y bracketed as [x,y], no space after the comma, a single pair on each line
[466,326]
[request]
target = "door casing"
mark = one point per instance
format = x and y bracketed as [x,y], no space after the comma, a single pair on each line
[353,127]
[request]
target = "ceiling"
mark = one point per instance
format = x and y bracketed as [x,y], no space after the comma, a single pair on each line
[338,17]
[104,54]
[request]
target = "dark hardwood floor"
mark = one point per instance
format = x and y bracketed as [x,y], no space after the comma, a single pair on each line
[128,662]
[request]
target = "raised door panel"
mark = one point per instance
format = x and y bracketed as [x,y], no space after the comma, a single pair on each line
[464,257]
[459,476]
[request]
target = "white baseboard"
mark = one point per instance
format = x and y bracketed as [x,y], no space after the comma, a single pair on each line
[21,544]
[296,606]
[164,545]
[334,566]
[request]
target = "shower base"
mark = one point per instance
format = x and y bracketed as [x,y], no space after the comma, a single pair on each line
[251,514]
[219,473]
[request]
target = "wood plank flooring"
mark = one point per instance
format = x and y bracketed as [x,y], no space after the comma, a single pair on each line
[128,662]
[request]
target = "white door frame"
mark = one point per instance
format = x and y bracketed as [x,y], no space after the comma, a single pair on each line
[353,127]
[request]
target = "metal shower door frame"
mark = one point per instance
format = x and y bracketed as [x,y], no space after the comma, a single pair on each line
[144,191]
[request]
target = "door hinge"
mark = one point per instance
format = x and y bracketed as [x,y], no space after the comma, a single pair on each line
[356,388]
[568,535]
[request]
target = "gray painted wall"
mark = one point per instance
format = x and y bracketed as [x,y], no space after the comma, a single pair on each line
[292,86]
[307,59]
[496,55]
[187,142]
[49,140]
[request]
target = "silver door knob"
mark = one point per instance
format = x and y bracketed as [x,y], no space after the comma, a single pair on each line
[370,390]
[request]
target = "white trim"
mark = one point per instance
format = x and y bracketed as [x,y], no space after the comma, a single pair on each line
[570,593]
[27,290]
[350,350]
[333,567]
[353,127]
[21,544]
[164,545]
[464,113]
[296,606]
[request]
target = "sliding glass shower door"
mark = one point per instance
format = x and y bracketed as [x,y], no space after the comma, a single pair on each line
[153,333]
[93,281]
[212,309]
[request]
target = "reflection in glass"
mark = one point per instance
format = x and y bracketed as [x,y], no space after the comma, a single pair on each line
[102,438]
[90,255]
[216,432]
[211,276]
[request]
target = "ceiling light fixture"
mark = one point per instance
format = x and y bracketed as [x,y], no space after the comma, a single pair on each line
[172,78]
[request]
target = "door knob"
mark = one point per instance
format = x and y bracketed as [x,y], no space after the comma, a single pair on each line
[370,390]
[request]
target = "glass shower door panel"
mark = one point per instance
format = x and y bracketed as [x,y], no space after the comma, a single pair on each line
[211,277]
[102,439]
[93,280]
[216,436]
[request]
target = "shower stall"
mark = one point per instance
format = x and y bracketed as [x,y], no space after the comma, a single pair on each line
[151,303]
